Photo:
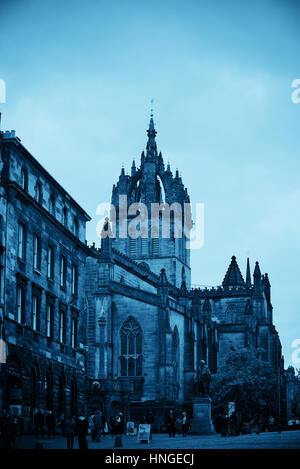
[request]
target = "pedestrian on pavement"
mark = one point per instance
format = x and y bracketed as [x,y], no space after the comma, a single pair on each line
[149,421]
[271,422]
[104,425]
[112,425]
[222,424]
[70,430]
[185,424]
[50,422]
[7,430]
[92,426]
[39,422]
[62,421]
[98,424]
[82,427]
[171,424]
[233,424]
[119,424]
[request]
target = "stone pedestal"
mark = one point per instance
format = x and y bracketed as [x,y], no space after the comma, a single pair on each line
[202,422]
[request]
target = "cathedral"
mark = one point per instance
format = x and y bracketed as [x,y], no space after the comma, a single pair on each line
[115,327]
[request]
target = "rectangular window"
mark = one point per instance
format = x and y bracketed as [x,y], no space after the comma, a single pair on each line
[36,252]
[74,280]
[63,271]
[21,241]
[35,312]
[155,246]
[21,304]
[132,247]
[49,325]
[50,262]
[144,246]
[74,333]
[61,326]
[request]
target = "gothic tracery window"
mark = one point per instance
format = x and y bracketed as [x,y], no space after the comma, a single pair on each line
[131,348]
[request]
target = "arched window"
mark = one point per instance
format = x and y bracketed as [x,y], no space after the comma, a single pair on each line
[131,348]
[24,179]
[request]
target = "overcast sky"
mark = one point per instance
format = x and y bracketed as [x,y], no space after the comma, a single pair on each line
[80,76]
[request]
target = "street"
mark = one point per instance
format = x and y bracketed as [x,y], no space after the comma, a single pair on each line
[266,440]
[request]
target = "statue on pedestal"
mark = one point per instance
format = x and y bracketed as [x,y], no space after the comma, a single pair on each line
[202,380]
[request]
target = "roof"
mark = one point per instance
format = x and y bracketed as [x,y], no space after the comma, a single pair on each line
[233,277]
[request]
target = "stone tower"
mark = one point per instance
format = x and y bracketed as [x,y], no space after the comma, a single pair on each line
[156,215]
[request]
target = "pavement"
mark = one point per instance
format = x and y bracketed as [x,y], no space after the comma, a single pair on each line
[266,440]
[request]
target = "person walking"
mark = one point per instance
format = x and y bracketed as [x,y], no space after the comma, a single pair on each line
[112,425]
[82,427]
[119,423]
[104,425]
[98,425]
[70,430]
[171,424]
[149,421]
[185,424]
[50,422]
[39,422]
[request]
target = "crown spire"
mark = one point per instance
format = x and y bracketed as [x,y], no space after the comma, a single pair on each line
[151,132]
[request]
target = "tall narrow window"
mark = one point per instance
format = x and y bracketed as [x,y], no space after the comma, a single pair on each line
[74,332]
[52,205]
[50,262]
[35,312]
[74,280]
[65,216]
[63,271]
[49,320]
[21,304]
[62,327]
[131,348]
[76,227]
[38,192]
[36,252]
[21,241]
[24,179]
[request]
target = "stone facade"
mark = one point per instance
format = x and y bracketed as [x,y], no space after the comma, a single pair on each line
[42,286]
[115,327]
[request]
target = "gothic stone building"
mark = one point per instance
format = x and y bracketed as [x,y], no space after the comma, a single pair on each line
[148,329]
[115,327]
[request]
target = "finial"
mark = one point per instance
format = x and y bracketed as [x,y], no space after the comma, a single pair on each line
[151,110]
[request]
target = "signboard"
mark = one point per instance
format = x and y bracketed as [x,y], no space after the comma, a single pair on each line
[15,410]
[144,433]
[231,408]
[131,429]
